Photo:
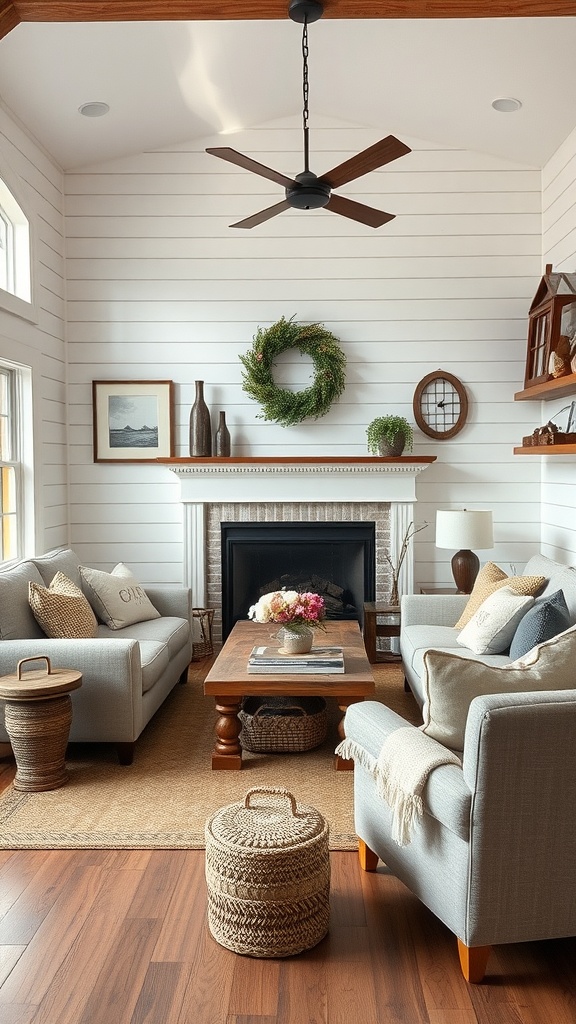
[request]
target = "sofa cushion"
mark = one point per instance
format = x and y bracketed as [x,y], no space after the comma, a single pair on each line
[62,560]
[546,619]
[169,630]
[16,619]
[155,659]
[450,683]
[492,627]
[490,578]
[117,597]
[61,609]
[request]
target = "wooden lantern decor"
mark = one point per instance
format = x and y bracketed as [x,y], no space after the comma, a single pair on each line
[551,328]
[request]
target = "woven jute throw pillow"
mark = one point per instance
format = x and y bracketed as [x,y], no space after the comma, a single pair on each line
[61,609]
[490,578]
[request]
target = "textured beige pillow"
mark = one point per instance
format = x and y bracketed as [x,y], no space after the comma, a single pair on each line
[492,627]
[61,609]
[117,597]
[490,578]
[451,682]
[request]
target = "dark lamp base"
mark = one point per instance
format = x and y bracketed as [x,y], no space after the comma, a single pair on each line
[465,566]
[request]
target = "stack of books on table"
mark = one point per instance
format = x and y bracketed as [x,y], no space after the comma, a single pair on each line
[319,659]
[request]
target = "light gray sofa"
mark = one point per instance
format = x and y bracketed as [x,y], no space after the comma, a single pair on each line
[427,620]
[126,673]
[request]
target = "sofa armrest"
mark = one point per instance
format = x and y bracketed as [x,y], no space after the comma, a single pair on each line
[446,795]
[432,609]
[171,601]
[109,702]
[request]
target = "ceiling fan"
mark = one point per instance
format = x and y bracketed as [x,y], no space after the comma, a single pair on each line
[307,191]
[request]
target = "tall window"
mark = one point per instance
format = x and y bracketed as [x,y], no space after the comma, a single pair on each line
[15,276]
[10,467]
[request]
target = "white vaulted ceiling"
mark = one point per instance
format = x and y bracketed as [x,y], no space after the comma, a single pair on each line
[169,82]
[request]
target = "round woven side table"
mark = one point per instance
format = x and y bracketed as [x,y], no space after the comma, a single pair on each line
[38,717]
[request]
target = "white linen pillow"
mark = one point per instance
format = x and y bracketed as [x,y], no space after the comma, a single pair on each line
[451,682]
[117,597]
[491,629]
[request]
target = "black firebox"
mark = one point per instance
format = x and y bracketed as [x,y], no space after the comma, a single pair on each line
[336,560]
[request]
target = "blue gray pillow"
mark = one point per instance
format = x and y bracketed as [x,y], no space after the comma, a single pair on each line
[545,619]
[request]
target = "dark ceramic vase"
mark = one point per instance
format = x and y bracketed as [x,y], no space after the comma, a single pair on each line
[222,439]
[200,429]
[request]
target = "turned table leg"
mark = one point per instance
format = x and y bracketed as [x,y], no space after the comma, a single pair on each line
[227,753]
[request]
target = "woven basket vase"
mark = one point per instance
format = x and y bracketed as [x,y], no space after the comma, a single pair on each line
[268,875]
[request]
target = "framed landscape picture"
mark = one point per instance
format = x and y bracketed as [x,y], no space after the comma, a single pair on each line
[133,420]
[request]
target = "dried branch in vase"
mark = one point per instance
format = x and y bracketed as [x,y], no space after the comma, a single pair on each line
[411,531]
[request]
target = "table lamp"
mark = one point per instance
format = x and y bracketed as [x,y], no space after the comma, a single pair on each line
[464,529]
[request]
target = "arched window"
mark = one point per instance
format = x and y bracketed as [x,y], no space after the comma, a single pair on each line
[15,276]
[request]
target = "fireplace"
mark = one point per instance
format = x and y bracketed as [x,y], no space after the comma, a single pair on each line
[334,559]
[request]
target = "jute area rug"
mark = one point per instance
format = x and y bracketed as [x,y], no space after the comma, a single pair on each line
[163,799]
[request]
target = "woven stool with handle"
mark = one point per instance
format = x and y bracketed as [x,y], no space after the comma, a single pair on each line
[267,874]
[38,716]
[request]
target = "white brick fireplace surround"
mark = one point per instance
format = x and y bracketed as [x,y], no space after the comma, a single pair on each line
[296,489]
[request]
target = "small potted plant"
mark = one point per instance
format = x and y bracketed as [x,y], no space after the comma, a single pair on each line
[389,435]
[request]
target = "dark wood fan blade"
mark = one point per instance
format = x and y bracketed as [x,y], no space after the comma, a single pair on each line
[380,153]
[357,211]
[234,157]
[259,218]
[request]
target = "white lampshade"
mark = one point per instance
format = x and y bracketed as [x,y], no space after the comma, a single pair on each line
[464,528]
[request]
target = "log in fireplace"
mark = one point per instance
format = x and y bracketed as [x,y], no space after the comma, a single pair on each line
[334,559]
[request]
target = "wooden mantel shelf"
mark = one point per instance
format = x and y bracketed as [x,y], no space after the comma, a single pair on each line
[298,460]
[547,449]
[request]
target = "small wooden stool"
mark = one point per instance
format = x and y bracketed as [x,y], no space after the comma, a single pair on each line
[38,718]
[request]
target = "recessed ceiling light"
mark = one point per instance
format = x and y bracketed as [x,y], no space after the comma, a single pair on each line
[506,104]
[96,109]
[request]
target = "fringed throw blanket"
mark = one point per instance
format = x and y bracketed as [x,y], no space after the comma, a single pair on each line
[401,771]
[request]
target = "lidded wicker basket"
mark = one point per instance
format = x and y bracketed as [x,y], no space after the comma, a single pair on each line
[267,874]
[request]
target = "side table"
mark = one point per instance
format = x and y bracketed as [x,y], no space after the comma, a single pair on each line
[38,718]
[390,613]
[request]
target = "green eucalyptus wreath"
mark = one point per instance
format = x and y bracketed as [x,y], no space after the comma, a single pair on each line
[288,407]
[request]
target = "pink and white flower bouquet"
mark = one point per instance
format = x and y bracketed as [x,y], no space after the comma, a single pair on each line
[298,612]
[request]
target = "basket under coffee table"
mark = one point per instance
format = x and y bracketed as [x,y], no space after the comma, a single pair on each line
[229,681]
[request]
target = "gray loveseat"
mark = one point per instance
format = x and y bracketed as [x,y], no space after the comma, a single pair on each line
[126,673]
[427,620]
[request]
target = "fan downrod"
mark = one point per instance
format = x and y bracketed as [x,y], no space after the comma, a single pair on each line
[305,11]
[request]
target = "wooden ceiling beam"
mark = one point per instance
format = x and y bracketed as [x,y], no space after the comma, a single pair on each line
[13,12]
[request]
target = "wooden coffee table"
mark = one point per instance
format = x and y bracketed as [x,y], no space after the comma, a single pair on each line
[228,682]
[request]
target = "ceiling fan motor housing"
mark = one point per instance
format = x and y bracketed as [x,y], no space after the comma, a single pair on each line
[311,192]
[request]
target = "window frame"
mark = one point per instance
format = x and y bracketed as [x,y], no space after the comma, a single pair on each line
[13,461]
[18,298]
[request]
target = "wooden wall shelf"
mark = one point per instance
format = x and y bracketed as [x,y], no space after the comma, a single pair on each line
[547,449]
[559,387]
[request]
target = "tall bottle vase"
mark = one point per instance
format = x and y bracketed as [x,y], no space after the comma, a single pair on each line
[222,438]
[200,429]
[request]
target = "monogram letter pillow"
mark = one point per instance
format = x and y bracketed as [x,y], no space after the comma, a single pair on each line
[117,597]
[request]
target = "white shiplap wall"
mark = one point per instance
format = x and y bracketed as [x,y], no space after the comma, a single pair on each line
[559,247]
[41,345]
[159,286]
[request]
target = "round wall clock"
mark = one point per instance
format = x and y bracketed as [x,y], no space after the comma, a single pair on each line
[440,405]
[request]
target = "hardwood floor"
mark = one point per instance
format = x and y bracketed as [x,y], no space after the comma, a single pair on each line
[120,937]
